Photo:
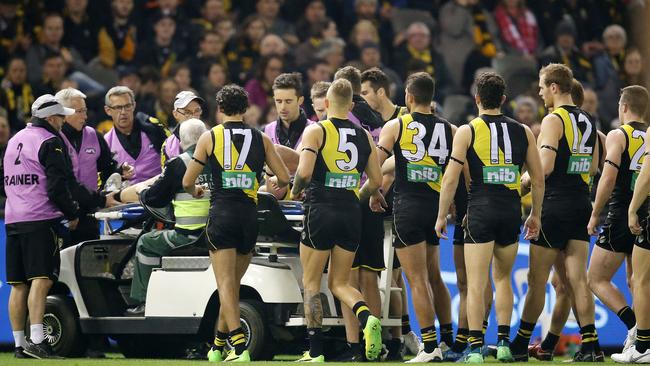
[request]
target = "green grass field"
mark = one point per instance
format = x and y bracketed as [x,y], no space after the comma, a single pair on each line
[7,359]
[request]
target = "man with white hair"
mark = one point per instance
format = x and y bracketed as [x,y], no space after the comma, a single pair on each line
[187,105]
[191,214]
[136,139]
[92,161]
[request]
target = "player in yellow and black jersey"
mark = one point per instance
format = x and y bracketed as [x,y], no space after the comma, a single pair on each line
[236,153]
[495,149]
[570,157]
[625,156]
[421,143]
[335,153]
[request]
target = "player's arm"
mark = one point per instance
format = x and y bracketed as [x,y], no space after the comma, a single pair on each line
[603,142]
[595,160]
[641,190]
[387,139]
[311,141]
[451,177]
[536,174]
[547,142]
[615,145]
[289,156]
[275,162]
[199,159]
[373,171]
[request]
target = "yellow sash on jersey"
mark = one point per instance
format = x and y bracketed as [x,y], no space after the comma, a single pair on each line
[494,171]
[425,170]
[579,163]
[336,177]
[232,178]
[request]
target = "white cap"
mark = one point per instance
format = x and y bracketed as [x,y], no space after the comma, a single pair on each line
[47,105]
[184,98]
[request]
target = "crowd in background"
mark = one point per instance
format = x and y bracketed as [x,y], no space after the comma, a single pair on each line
[160,47]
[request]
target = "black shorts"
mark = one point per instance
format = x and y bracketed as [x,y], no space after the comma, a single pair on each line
[326,225]
[564,219]
[616,236]
[33,255]
[414,220]
[235,227]
[643,240]
[495,219]
[370,254]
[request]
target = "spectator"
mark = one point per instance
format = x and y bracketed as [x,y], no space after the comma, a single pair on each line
[182,75]
[15,38]
[468,29]
[518,27]
[53,71]
[609,72]
[52,36]
[243,51]
[371,57]
[268,11]
[212,12]
[633,67]
[17,95]
[272,44]
[211,48]
[564,51]
[149,80]
[314,13]
[526,112]
[418,47]
[584,15]
[216,78]
[260,92]
[362,32]
[162,52]
[331,50]
[164,105]
[368,10]
[80,32]
[5,134]
[591,105]
[317,71]
[226,29]
[117,42]
[318,32]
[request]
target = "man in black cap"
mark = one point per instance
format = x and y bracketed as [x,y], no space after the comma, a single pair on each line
[565,51]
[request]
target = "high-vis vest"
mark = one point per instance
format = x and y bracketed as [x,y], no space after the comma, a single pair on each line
[25,180]
[192,213]
[147,164]
[421,153]
[496,155]
[84,162]
[575,153]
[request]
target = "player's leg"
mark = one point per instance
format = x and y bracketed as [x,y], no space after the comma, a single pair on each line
[461,282]
[577,252]
[477,264]
[395,309]
[338,282]
[441,296]
[351,324]
[541,260]
[504,258]
[602,267]
[18,314]
[313,262]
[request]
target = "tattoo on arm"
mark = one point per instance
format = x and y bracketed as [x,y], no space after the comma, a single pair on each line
[299,184]
[313,309]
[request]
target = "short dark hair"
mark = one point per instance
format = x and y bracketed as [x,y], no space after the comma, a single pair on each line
[377,80]
[232,99]
[291,80]
[209,33]
[636,97]
[577,93]
[558,74]
[351,74]
[50,55]
[422,87]
[490,89]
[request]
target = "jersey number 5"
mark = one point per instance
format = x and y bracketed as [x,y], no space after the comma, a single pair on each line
[348,148]
[227,148]
[437,146]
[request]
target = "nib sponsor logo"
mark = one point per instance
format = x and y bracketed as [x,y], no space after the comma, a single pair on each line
[238,180]
[579,164]
[342,180]
[500,174]
[423,173]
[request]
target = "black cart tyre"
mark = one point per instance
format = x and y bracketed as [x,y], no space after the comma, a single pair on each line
[61,327]
[258,336]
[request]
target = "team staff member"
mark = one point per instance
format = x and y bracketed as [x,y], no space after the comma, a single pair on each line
[236,154]
[375,88]
[36,171]
[570,156]
[91,158]
[421,143]
[372,224]
[187,105]
[133,139]
[495,149]
[334,154]
[191,214]
[625,155]
[318,93]
[640,351]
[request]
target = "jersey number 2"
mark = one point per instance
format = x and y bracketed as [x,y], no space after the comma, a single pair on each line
[245,149]
[20,149]
[635,163]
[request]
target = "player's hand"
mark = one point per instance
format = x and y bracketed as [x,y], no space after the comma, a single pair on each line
[464,224]
[297,196]
[592,227]
[533,227]
[525,184]
[72,224]
[111,201]
[377,202]
[441,228]
[128,171]
[633,223]
[199,190]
